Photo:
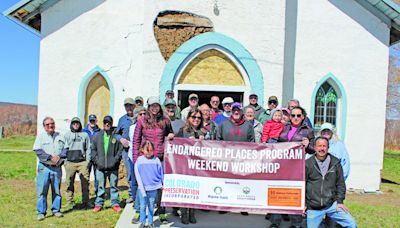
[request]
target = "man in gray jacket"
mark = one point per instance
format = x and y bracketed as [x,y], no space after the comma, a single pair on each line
[77,153]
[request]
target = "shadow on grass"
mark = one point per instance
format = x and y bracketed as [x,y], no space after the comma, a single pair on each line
[383,180]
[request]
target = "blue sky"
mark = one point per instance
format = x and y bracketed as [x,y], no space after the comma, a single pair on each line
[19,60]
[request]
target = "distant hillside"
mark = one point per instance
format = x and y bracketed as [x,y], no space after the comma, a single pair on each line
[18,119]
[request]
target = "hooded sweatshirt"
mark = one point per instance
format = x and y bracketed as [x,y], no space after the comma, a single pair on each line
[77,145]
[231,130]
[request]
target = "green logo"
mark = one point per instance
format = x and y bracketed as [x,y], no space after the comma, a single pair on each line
[246,190]
[218,190]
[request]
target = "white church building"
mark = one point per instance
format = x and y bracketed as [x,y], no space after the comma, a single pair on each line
[332,55]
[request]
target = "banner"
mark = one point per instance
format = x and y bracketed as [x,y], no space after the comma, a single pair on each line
[234,176]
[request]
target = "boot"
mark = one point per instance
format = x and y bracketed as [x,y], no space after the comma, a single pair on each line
[175,211]
[184,216]
[192,219]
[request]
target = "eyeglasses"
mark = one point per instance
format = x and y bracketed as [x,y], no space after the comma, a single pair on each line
[196,117]
[142,114]
[48,124]
[298,115]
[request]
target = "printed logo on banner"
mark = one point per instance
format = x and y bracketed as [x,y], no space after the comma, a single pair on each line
[218,192]
[245,196]
[183,189]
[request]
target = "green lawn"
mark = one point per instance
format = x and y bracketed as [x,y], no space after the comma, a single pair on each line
[18,197]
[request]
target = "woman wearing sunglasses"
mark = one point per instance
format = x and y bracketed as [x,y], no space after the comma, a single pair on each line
[193,129]
[295,131]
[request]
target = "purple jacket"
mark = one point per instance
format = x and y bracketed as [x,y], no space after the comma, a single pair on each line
[302,131]
[154,135]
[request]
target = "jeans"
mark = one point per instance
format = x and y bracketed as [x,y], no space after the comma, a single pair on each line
[272,141]
[101,191]
[129,170]
[48,176]
[315,217]
[147,201]
[71,169]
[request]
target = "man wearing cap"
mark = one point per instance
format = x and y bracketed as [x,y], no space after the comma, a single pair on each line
[266,115]
[296,103]
[78,155]
[48,146]
[170,95]
[193,104]
[227,105]
[123,137]
[253,99]
[236,129]
[106,155]
[170,109]
[138,101]
[215,111]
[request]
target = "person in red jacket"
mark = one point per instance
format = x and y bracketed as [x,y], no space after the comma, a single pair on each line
[273,127]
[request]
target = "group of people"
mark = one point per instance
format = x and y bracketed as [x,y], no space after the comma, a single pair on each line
[139,137]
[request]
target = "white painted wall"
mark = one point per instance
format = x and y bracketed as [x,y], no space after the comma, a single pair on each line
[350,46]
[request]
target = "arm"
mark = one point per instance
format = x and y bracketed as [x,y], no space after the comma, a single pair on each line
[161,171]
[265,133]
[345,160]
[340,185]
[137,140]
[139,179]
[250,134]
[88,151]
[310,147]
[219,133]
[93,148]
[42,156]
[119,129]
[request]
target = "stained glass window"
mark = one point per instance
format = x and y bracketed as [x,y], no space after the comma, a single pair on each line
[325,105]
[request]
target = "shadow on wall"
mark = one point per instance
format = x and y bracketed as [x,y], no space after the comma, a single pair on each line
[65,12]
[356,11]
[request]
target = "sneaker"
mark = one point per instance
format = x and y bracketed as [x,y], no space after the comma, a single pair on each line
[41,217]
[117,209]
[163,218]
[136,218]
[142,225]
[58,214]
[88,205]
[129,200]
[97,208]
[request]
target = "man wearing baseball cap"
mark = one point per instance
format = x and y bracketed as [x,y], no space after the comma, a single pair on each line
[193,104]
[227,105]
[169,95]
[266,115]
[253,99]
[92,128]
[138,101]
[122,135]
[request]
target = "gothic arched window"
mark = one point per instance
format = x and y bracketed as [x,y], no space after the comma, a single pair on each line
[326,105]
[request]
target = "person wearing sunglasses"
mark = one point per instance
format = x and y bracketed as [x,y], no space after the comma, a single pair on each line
[106,155]
[295,131]
[48,147]
[193,104]
[193,129]
[296,103]
[227,105]
[266,115]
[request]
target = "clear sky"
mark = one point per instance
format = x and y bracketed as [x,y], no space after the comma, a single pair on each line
[19,60]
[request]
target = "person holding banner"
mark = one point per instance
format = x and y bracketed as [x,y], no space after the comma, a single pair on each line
[153,127]
[193,129]
[296,131]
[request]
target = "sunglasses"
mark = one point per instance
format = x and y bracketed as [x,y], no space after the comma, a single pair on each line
[48,124]
[253,97]
[196,117]
[298,115]
[142,114]
[193,99]
[227,104]
[271,102]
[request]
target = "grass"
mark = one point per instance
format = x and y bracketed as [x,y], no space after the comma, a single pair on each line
[18,197]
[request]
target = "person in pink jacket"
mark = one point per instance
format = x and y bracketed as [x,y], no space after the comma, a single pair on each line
[273,127]
[154,127]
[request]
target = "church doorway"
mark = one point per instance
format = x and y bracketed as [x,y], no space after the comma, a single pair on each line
[97,99]
[205,97]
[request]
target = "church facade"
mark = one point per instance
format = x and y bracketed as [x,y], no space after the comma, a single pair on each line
[330,55]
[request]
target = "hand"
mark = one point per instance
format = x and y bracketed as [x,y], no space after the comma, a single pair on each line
[124,142]
[201,137]
[170,136]
[343,207]
[54,159]
[305,141]
[192,137]
[305,211]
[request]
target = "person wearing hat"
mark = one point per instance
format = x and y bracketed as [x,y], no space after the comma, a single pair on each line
[92,128]
[253,99]
[154,127]
[296,103]
[106,155]
[170,109]
[138,101]
[266,115]
[193,104]
[227,105]
[242,129]
[78,155]
[170,95]
[123,136]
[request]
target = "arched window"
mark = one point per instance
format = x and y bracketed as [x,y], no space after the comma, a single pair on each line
[326,105]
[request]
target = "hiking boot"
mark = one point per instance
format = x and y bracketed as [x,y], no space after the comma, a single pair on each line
[117,209]
[222,212]
[175,211]
[135,219]
[192,219]
[129,200]
[163,218]
[184,216]
[41,217]
[244,213]
[88,205]
[97,208]
[58,214]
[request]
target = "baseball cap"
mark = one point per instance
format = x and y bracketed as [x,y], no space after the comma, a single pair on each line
[193,95]
[169,102]
[227,100]
[129,100]
[139,98]
[153,100]
[236,105]
[75,119]
[92,117]
[272,98]
[169,92]
[252,93]
[108,119]
[328,126]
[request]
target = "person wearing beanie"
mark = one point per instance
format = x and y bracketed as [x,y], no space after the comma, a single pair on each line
[77,156]
[106,155]
[273,127]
